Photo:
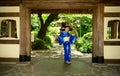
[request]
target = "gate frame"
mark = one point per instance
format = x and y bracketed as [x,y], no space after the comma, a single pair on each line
[98,26]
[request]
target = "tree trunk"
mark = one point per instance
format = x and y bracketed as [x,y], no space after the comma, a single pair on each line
[43,29]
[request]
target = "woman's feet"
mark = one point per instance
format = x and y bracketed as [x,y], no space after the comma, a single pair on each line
[67,62]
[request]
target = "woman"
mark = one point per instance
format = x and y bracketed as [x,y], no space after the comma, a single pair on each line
[66,39]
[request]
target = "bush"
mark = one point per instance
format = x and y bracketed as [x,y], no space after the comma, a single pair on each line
[46,43]
[39,44]
[84,44]
[88,36]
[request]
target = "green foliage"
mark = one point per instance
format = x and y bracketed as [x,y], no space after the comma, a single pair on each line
[35,23]
[84,29]
[39,44]
[53,32]
[88,36]
[45,16]
[84,44]
[48,41]
[82,21]
[85,25]
[42,44]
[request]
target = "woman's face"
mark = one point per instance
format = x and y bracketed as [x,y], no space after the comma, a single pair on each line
[67,29]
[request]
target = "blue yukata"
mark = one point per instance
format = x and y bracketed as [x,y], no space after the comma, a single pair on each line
[66,39]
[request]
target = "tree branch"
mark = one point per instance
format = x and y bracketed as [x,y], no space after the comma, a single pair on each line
[41,19]
[43,29]
[50,18]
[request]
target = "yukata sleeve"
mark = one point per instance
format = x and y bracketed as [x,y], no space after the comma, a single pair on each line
[60,40]
[73,39]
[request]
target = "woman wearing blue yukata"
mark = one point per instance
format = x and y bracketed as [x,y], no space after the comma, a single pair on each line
[66,39]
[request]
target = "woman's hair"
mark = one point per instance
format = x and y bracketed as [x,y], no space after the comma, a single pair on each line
[65,26]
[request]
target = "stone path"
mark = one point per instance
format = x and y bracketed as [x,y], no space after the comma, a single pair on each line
[50,63]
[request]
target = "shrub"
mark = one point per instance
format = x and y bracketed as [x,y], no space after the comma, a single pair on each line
[48,41]
[39,44]
[84,44]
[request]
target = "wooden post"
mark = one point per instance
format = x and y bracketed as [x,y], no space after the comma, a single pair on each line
[28,35]
[95,36]
[98,34]
[25,38]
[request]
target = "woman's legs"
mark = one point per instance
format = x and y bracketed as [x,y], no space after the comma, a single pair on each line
[67,53]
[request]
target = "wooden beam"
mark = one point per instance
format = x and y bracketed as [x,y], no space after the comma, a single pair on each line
[82,11]
[9,3]
[9,14]
[112,4]
[112,43]
[18,2]
[112,14]
[54,5]
[9,41]
[112,61]
[2,59]
[80,1]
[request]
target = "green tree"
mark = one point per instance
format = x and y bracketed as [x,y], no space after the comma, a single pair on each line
[45,28]
[85,25]
[35,24]
[81,23]
[45,23]
[40,24]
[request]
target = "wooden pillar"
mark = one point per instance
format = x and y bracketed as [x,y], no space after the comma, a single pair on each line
[98,34]
[25,37]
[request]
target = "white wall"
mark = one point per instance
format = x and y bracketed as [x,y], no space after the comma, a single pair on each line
[111,52]
[112,9]
[10,50]
[6,9]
